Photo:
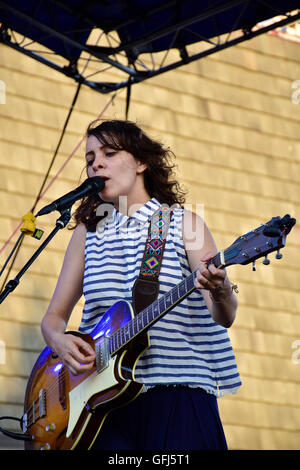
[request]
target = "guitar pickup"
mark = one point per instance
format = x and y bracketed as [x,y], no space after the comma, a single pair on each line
[102,354]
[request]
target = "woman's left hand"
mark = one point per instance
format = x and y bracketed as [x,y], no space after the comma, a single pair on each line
[213,279]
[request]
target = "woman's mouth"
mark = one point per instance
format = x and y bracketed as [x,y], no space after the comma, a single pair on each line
[105,178]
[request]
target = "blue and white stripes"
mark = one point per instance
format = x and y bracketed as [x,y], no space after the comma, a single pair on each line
[186,345]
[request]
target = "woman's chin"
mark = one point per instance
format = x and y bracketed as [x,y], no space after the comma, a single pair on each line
[106,197]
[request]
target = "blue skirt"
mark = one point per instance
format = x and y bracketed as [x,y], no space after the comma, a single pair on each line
[165,418]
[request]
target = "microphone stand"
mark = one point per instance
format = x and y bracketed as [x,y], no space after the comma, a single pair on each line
[61,222]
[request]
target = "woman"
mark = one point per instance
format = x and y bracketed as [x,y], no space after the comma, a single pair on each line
[190,360]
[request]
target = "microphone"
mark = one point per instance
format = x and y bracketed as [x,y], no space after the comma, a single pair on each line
[89,187]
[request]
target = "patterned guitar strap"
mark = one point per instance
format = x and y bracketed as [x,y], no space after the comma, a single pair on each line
[146,286]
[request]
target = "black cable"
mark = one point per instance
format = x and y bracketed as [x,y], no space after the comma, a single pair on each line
[16,248]
[15,435]
[19,242]
[128,95]
[58,145]
[11,253]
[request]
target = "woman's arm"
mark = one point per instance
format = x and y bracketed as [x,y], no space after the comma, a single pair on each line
[75,353]
[213,282]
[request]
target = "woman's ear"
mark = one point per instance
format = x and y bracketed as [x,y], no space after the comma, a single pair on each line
[141,167]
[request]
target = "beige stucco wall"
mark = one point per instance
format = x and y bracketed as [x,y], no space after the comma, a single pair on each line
[231,121]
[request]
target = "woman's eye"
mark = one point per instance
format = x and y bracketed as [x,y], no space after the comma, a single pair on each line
[110,154]
[89,163]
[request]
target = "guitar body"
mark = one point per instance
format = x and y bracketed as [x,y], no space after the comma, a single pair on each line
[63,411]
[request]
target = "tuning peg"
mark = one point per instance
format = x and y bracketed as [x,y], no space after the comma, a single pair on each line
[278,255]
[266,260]
[253,265]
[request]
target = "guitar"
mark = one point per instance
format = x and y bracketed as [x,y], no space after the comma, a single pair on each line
[63,411]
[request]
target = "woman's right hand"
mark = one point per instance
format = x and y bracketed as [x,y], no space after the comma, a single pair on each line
[76,353]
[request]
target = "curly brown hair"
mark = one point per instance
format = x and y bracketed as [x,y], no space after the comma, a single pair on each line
[159,178]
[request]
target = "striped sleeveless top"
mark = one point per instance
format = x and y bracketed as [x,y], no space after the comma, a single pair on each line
[186,345]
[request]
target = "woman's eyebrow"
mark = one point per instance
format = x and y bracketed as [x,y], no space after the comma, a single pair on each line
[102,147]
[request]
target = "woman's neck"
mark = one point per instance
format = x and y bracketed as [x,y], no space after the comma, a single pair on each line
[129,206]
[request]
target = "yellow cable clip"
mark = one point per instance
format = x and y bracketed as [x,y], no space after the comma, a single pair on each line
[29,228]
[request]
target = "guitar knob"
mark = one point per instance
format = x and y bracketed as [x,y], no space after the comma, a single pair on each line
[266,261]
[253,266]
[46,447]
[50,427]
[278,255]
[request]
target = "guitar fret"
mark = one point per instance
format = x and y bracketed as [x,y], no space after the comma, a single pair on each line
[155,310]
[140,322]
[133,332]
[168,300]
[132,327]
[181,289]
[110,344]
[190,282]
[115,341]
[122,336]
[147,314]
[127,333]
[146,317]
[118,339]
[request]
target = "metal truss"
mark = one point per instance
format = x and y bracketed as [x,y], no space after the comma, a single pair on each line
[132,61]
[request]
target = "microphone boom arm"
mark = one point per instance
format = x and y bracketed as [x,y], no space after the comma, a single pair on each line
[89,187]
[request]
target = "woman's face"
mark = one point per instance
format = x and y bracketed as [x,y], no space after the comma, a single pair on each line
[123,174]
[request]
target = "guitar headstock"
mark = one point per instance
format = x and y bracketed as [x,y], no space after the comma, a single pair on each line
[260,242]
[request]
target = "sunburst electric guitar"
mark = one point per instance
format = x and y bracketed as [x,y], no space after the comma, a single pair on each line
[64,411]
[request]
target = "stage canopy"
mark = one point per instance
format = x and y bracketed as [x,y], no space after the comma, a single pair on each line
[135,39]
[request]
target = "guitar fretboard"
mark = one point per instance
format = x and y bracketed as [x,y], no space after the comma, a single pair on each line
[143,320]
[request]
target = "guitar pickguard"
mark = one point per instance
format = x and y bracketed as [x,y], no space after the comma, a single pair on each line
[80,395]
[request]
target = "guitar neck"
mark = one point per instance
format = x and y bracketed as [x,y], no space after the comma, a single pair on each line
[151,314]
[247,248]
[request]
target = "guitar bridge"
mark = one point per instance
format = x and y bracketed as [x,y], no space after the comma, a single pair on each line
[36,411]
[102,354]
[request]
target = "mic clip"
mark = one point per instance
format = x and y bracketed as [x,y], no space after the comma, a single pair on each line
[64,219]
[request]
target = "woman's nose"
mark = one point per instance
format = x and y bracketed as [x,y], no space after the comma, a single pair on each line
[98,163]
